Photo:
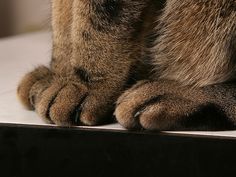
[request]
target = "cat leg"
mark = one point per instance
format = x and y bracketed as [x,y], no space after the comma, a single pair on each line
[62,17]
[92,61]
[196,43]
[104,50]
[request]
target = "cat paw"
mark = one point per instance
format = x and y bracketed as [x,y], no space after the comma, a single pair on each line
[162,106]
[38,80]
[68,102]
[57,104]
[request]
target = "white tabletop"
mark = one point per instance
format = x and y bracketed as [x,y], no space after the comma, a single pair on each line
[21,54]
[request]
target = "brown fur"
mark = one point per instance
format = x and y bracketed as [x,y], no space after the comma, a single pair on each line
[166,105]
[197,42]
[92,60]
[102,46]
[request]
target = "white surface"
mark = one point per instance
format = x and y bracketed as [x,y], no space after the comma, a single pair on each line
[19,55]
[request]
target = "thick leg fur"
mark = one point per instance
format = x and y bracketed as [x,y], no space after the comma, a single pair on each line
[96,44]
[197,42]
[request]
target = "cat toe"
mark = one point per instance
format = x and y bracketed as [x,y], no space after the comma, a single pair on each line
[28,82]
